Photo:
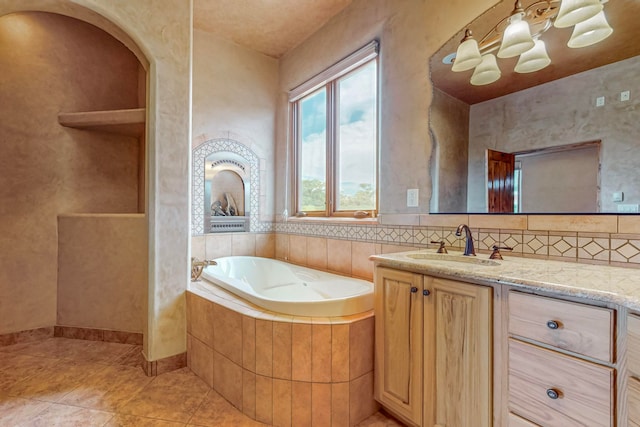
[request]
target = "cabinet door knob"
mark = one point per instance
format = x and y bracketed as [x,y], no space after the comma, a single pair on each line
[426,292]
[552,324]
[553,393]
[414,289]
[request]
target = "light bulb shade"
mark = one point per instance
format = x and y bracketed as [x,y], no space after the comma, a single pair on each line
[574,11]
[487,71]
[517,38]
[467,56]
[534,59]
[590,32]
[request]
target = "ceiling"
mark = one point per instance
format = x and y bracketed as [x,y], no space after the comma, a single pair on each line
[623,43]
[272,27]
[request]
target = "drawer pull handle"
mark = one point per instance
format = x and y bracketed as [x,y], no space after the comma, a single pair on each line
[414,289]
[426,292]
[553,394]
[552,324]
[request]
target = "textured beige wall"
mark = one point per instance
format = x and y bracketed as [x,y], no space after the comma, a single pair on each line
[575,170]
[51,63]
[161,31]
[564,112]
[450,135]
[102,271]
[234,96]
[410,31]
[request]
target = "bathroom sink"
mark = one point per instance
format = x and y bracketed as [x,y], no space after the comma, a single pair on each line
[453,258]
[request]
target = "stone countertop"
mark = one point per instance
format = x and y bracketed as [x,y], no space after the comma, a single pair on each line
[596,282]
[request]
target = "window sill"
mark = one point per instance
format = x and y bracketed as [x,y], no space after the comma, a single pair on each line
[334,220]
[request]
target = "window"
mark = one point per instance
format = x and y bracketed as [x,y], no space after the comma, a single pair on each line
[335,127]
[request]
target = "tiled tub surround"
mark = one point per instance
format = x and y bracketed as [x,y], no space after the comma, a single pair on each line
[280,369]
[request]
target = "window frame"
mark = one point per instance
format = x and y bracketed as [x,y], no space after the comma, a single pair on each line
[329,80]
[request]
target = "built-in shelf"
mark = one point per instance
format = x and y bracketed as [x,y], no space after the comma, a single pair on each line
[126,122]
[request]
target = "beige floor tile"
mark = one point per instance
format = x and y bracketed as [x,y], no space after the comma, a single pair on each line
[14,411]
[53,383]
[109,389]
[120,420]
[58,348]
[380,420]
[33,375]
[173,396]
[102,352]
[18,367]
[132,357]
[69,416]
[216,411]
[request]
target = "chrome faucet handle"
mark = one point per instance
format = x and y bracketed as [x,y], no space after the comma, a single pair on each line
[496,251]
[441,249]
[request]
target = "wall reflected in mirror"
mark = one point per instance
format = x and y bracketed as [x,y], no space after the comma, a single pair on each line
[549,118]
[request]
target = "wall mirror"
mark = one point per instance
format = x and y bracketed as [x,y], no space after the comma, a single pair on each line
[573,125]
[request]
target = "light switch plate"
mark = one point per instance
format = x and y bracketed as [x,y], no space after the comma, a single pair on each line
[618,196]
[600,101]
[624,96]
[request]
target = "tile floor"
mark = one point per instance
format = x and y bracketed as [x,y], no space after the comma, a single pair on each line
[66,382]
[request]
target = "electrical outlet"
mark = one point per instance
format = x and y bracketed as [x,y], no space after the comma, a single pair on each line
[624,96]
[412,198]
[600,101]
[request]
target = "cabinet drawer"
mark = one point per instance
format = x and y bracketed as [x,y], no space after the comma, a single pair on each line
[633,344]
[633,402]
[516,421]
[580,328]
[584,389]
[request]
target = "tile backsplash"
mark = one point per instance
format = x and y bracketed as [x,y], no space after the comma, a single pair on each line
[344,248]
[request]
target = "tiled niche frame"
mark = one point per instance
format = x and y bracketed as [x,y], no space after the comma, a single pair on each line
[200,154]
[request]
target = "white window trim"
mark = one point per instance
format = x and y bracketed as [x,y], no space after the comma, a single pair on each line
[337,70]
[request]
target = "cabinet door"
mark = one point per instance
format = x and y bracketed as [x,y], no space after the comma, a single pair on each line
[633,402]
[398,373]
[458,363]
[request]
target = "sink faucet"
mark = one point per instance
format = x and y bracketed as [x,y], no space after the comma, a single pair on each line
[468,247]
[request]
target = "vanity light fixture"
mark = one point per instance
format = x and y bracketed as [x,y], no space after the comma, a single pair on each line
[519,35]
[487,71]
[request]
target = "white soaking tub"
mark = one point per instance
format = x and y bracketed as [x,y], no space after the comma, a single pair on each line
[290,289]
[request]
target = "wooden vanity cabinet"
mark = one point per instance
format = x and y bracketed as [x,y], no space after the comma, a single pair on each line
[548,386]
[398,307]
[633,367]
[433,349]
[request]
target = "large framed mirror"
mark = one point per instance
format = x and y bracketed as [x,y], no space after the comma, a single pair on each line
[569,131]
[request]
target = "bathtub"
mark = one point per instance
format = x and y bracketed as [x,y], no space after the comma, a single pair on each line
[290,289]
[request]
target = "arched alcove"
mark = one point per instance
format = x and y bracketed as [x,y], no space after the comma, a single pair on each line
[73,167]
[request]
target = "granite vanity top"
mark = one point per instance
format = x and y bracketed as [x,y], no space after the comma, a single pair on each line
[602,283]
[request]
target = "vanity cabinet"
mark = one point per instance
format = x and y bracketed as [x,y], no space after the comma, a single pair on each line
[633,367]
[433,349]
[548,386]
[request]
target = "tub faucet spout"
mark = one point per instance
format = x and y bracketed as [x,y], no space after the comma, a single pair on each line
[469,249]
[197,266]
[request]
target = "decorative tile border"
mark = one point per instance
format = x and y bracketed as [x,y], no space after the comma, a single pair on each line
[588,247]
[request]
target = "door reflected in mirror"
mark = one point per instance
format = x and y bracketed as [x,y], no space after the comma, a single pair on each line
[571,126]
